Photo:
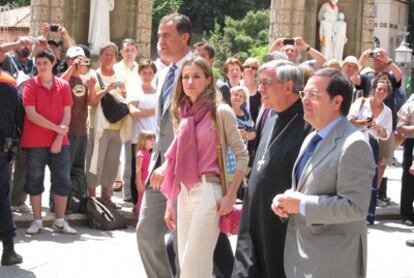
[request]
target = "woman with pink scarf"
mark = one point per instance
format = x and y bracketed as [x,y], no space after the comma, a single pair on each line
[191,176]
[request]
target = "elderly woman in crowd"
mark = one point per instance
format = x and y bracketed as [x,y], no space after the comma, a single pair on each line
[374,119]
[233,69]
[238,98]
[107,137]
[192,168]
[250,67]
[142,101]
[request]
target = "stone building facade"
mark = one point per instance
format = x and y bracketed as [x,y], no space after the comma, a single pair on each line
[130,18]
[292,18]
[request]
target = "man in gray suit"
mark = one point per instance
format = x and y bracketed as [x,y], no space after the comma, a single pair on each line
[174,34]
[327,205]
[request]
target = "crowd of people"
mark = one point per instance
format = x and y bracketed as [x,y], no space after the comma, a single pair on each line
[303,144]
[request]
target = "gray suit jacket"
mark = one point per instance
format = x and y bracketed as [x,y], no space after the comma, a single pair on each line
[165,131]
[331,239]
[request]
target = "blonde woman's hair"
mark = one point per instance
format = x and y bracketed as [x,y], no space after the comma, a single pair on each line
[242,89]
[210,95]
[144,135]
[251,61]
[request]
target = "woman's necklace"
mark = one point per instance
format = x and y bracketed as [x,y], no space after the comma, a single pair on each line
[269,144]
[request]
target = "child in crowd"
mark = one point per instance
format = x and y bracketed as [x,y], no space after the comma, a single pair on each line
[145,144]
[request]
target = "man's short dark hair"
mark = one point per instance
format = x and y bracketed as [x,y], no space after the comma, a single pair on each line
[45,53]
[339,84]
[207,47]
[182,23]
[55,43]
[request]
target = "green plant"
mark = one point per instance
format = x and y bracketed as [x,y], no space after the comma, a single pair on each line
[241,38]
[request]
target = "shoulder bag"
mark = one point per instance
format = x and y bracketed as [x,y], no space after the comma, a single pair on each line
[113,109]
[229,223]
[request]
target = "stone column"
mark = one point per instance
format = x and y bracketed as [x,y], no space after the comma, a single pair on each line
[50,11]
[287,19]
[367,37]
[143,30]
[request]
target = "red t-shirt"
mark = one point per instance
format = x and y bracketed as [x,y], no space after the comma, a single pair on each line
[49,103]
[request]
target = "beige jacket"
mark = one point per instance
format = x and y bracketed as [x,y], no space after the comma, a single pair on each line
[230,137]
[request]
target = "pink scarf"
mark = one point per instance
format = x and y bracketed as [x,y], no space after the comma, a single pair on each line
[181,156]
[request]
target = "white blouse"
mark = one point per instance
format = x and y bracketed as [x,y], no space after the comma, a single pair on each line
[384,119]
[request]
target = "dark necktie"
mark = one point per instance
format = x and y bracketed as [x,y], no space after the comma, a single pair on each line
[168,86]
[310,149]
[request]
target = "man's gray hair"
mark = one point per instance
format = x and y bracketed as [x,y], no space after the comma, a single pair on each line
[286,71]
[275,55]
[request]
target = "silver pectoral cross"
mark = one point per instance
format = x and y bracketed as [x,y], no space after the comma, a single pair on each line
[260,163]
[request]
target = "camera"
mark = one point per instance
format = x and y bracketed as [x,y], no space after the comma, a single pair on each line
[373,54]
[54,27]
[288,41]
[85,62]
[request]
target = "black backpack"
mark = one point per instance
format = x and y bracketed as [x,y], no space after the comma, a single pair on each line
[103,217]
[77,198]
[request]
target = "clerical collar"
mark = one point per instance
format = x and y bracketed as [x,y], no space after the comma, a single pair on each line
[292,110]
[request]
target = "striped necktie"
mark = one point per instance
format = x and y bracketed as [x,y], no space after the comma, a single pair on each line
[168,85]
[310,149]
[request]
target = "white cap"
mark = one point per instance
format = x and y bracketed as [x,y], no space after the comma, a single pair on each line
[74,52]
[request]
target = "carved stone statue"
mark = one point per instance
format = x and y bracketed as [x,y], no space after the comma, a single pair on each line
[340,38]
[99,31]
[326,35]
[327,17]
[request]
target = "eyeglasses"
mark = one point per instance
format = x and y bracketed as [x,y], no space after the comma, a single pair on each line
[250,67]
[265,83]
[314,95]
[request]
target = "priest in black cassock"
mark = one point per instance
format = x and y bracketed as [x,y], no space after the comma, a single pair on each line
[261,238]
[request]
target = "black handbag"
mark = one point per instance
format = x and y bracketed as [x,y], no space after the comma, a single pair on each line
[113,109]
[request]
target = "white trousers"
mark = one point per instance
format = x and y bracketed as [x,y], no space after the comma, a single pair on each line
[197,228]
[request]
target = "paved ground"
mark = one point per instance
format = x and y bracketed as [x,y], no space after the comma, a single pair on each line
[101,254]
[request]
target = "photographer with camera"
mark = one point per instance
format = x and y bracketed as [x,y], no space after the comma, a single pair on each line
[11,118]
[374,119]
[382,64]
[21,59]
[291,47]
[56,46]
[83,94]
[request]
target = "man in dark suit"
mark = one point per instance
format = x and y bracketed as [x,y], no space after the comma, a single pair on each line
[327,205]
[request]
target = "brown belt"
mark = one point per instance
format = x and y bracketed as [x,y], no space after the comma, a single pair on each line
[210,177]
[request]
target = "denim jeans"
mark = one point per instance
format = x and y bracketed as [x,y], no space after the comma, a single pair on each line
[59,165]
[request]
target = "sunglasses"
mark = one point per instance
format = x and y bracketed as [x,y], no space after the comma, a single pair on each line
[250,67]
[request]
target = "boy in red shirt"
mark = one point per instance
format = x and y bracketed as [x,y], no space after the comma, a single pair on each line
[47,101]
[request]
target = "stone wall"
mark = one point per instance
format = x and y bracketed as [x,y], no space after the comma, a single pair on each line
[130,18]
[51,11]
[287,18]
[291,18]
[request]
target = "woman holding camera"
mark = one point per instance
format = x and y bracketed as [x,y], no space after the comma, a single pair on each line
[105,138]
[192,169]
[374,119]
